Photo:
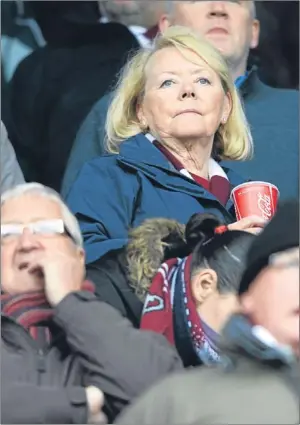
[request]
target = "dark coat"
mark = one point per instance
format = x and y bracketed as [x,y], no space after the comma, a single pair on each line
[53,90]
[273,117]
[259,386]
[93,345]
[110,276]
[114,193]
[122,276]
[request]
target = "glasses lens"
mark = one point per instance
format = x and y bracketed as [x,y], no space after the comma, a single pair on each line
[48,227]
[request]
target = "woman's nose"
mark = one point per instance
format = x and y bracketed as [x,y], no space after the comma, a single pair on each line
[187,92]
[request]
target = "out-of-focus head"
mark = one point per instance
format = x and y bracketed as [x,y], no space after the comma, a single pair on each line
[144,13]
[218,263]
[180,90]
[34,220]
[231,26]
[270,286]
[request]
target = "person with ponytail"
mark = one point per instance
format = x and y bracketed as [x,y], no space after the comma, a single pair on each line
[191,298]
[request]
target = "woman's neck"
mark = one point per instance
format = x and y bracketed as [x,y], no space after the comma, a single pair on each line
[194,155]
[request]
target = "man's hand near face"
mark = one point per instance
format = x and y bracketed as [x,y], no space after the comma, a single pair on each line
[62,274]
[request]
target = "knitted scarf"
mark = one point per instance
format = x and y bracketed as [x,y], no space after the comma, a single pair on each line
[32,311]
[170,310]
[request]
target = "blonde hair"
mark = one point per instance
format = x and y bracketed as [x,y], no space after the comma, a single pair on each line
[233,139]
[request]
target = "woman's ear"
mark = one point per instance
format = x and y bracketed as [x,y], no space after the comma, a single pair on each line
[203,285]
[140,113]
[226,108]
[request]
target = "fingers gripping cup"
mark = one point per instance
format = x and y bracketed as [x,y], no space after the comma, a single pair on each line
[255,198]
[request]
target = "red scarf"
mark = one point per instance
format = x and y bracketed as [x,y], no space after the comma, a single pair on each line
[170,310]
[217,185]
[32,310]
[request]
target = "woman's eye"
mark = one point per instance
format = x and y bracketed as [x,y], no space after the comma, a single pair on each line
[167,83]
[203,80]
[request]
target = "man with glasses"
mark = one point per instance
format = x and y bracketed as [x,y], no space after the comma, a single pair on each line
[260,382]
[60,345]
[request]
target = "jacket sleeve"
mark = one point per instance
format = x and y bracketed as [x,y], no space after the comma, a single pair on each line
[88,144]
[24,403]
[122,361]
[103,199]
[157,405]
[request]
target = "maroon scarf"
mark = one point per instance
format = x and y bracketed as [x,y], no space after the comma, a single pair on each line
[170,310]
[32,311]
[217,185]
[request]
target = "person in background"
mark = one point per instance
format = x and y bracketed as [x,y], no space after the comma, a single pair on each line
[259,383]
[190,299]
[140,16]
[10,171]
[54,88]
[66,357]
[175,113]
[233,28]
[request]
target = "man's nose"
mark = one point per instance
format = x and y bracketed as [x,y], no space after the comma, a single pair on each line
[218,9]
[27,241]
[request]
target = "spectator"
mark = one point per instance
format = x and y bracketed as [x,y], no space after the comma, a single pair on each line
[140,17]
[58,339]
[11,174]
[164,145]
[53,88]
[272,113]
[190,299]
[122,276]
[260,383]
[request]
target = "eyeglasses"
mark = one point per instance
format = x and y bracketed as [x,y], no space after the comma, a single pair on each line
[45,228]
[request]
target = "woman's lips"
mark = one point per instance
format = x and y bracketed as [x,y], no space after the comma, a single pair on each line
[218,31]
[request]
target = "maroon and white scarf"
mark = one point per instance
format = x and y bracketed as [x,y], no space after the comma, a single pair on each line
[170,310]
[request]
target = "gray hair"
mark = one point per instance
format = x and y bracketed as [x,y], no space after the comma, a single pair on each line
[69,219]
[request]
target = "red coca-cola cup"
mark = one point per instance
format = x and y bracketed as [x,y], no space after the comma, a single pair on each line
[255,198]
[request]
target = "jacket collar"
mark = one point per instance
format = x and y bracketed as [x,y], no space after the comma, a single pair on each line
[251,83]
[138,153]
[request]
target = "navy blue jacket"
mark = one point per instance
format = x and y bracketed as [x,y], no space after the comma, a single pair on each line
[273,115]
[116,192]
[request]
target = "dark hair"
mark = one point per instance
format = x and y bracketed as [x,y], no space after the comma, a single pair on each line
[225,253]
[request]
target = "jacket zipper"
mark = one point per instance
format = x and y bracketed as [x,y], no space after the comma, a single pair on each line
[41,365]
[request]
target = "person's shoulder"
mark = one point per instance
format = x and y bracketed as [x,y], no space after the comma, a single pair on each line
[281,95]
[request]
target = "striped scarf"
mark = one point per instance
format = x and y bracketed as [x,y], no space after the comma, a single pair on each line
[170,310]
[32,311]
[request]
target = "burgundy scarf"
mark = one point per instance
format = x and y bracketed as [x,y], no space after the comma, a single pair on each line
[217,185]
[170,310]
[32,311]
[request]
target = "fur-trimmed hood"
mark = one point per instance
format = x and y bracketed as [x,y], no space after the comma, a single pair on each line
[150,244]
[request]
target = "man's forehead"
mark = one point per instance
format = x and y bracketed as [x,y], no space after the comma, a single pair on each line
[29,207]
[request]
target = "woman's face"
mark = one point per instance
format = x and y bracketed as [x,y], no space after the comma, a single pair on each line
[184,98]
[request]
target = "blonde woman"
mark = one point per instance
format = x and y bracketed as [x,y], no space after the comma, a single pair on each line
[174,115]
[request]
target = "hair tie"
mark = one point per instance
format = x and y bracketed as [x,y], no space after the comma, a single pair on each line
[221,229]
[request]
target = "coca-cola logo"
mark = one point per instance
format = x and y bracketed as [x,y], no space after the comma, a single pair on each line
[264,205]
